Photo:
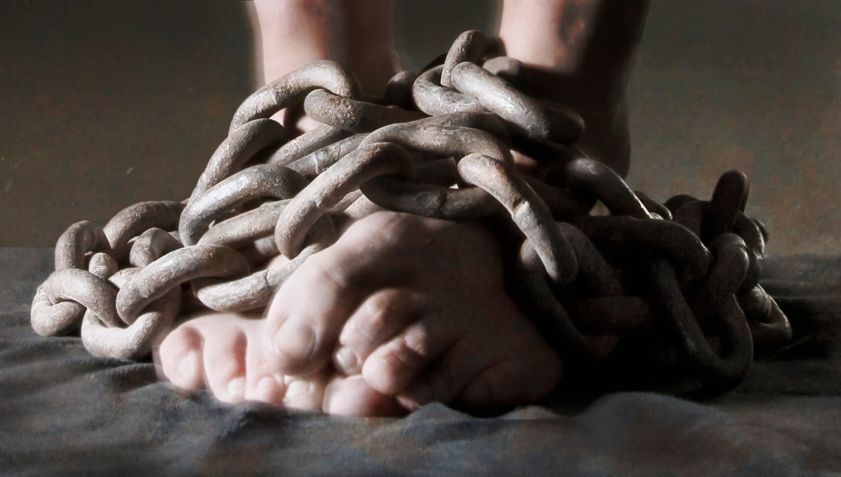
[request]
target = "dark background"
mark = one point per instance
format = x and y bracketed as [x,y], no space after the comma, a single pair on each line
[105,103]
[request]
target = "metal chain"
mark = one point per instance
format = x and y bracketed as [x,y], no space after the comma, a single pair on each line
[681,276]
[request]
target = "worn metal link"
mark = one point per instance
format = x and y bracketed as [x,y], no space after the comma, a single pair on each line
[473,46]
[716,371]
[529,213]
[320,160]
[362,165]
[292,88]
[136,219]
[258,182]
[103,265]
[680,278]
[61,300]
[603,182]
[432,200]
[434,99]
[78,240]
[136,340]
[320,136]
[354,115]
[525,115]
[173,269]
[151,245]
[255,290]
[238,148]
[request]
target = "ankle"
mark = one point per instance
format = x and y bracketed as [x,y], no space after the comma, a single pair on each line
[359,37]
[366,43]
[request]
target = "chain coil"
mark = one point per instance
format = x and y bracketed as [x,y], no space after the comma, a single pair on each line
[438,144]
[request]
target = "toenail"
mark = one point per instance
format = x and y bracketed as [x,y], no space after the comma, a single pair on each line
[381,375]
[266,385]
[294,339]
[297,388]
[236,387]
[187,366]
[346,361]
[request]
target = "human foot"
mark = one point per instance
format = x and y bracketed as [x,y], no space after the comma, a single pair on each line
[222,352]
[418,307]
[579,54]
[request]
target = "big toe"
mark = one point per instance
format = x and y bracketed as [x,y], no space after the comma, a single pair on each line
[311,307]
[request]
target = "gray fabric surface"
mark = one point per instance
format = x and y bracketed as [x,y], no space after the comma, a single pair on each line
[63,412]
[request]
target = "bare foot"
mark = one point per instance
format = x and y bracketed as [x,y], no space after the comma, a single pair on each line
[579,54]
[418,306]
[222,352]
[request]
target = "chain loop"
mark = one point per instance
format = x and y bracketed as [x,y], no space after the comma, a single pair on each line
[353,115]
[529,213]
[434,99]
[255,290]
[151,245]
[257,182]
[525,116]
[715,371]
[61,300]
[604,183]
[364,164]
[79,239]
[137,339]
[103,265]
[237,149]
[173,269]
[472,46]
[291,88]
[136,219]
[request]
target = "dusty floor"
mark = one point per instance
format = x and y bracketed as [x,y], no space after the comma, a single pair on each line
[103,104]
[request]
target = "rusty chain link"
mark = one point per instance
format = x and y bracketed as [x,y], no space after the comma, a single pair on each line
[681,276]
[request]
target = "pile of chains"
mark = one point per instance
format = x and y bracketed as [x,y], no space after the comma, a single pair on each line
[680,276]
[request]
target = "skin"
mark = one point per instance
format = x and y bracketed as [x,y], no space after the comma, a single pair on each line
[410,310]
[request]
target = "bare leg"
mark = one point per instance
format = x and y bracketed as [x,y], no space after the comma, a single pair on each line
[356,34]
[583,51]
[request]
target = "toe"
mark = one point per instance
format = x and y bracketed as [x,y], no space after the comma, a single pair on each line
[224,362]
[180,356]
[305,394]
[305,317]
[269,389]
[311,307]
[380,317]
[351,396]
[443,381]
[394,365]
[510,382]
[261,382]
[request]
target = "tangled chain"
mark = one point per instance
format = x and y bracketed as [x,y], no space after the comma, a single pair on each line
[681,277]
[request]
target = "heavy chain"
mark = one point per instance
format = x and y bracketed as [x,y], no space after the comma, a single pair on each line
[681,276]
